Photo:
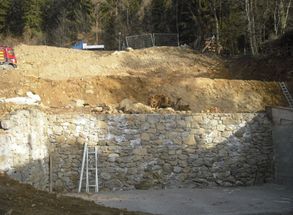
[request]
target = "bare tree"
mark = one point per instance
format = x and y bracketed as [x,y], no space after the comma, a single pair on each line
[96,20]
[249,8]
[213,8]
[281,15]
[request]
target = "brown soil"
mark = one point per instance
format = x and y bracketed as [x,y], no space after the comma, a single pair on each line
[61,76]
[272,68]
[16,198]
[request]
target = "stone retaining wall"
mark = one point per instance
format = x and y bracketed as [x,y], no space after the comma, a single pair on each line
[138,151]
[158,151]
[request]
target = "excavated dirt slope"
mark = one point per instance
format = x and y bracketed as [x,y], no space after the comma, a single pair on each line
[61,76]
[19,199]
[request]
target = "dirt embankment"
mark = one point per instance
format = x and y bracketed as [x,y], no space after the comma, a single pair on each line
[19,199]
[61,76]
[61,64]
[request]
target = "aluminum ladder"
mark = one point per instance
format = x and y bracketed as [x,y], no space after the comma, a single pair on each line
[88,152]
[286,93]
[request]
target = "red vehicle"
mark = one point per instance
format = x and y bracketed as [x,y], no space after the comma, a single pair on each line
[7,58]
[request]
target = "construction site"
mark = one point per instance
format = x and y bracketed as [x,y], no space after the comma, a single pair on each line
[138,129]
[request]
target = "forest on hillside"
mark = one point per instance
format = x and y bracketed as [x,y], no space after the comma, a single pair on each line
[240,26]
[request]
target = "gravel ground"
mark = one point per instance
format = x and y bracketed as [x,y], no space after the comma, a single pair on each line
[265,200]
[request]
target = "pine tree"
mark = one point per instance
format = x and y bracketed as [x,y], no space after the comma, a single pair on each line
[33,18]
[65,20]
[15,18]
[80,13]
[4,10]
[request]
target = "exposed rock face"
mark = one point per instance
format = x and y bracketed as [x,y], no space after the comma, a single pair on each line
[24,147]
[143,151]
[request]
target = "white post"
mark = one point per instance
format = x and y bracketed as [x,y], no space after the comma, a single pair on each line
[82,167]
[87,171]
[97,179]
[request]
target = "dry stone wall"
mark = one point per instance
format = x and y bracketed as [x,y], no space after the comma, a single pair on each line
[138,151]
[158,151]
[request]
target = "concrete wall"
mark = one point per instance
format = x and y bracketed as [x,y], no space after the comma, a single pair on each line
[138,151]
[283,145]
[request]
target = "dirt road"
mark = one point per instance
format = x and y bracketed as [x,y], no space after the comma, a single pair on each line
[258,200]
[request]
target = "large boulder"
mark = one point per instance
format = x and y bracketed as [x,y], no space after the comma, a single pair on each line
[129,106]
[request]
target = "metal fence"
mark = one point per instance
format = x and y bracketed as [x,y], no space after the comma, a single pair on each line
[166,39]
[150,40]
[140,41]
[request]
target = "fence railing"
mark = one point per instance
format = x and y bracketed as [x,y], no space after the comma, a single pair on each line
[150,40]
[140,41]
[166,39]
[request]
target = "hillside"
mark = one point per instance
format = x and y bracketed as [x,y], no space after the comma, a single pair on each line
[18,198]
[61,76]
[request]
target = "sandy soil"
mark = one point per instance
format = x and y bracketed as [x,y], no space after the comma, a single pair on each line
[61,64]
[61,76]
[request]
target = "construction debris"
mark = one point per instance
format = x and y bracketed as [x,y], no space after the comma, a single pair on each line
[163,101]
[129,106]
[212,45]
[31,99]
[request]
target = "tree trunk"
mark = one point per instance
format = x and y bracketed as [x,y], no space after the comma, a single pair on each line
[97,23]
[281,15]
[217,23]
[285,16]
[254,34]
[251,27]
[177,18]
[213,8]
[276,18]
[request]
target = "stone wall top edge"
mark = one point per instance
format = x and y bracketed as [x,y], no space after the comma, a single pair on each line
[74,114]
[156,114]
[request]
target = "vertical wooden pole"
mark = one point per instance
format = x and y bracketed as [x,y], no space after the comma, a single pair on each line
[50,173]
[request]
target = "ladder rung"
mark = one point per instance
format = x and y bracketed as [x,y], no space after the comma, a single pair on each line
[286,93]
[86,161]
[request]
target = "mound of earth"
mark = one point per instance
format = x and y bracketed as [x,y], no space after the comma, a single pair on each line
[18,199]
[62,76]
[271,68]
[276,64]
